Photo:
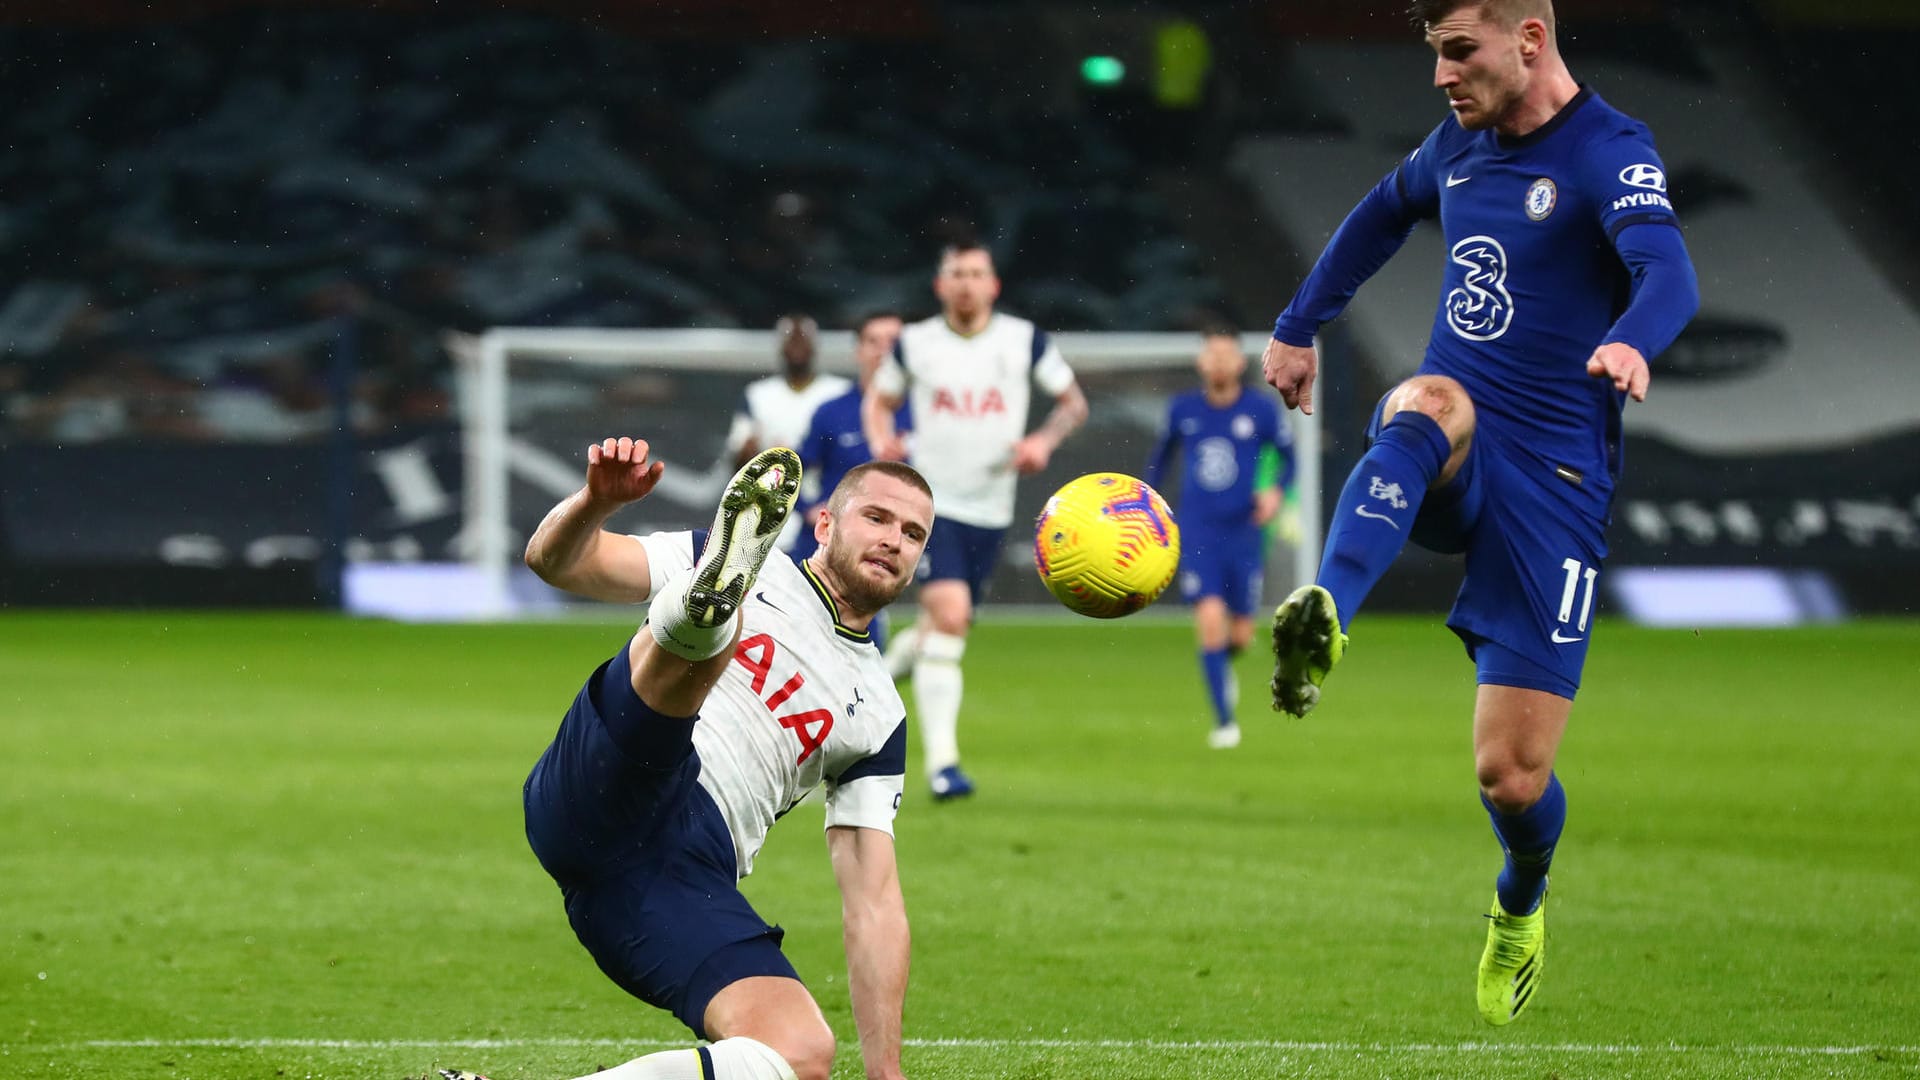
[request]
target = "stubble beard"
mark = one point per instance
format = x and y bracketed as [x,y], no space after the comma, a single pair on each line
[857,591]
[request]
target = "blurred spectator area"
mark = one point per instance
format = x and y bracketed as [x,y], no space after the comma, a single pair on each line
[196,206]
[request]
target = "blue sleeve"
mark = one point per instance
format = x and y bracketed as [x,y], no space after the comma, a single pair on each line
[1372,232]
[1665,293]
[813,446]
[1163,447]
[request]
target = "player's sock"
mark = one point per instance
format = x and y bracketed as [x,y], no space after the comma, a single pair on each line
[1529,838]
[675,630]
[738,1058]
[1213,666]
[1377,507]
[936,697]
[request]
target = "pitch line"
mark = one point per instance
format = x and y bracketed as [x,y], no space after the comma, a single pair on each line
[1286,1045]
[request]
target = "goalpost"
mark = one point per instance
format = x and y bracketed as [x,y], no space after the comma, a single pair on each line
[531,399]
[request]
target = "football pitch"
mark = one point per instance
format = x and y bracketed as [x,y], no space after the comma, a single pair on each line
[290,846]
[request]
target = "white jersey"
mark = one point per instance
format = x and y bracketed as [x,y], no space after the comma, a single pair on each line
[806,701]
[773,413]
[970,397]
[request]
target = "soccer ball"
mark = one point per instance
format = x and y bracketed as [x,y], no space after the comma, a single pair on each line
[1106,545]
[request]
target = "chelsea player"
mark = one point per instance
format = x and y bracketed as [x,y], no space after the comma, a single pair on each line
[1565,274]
[1222,431]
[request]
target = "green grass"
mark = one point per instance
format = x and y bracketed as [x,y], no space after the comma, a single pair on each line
[258,846]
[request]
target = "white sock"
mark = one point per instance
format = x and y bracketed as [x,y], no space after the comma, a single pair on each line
[738,1058]
[902,649]
[936,695]
[676,633]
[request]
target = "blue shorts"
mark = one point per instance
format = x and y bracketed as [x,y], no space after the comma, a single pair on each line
[958,551]
[1224,561]
[1525,608]
[643,858]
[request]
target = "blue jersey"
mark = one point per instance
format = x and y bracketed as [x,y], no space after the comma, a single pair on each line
[1222,450]
[835,444]
[1537,276]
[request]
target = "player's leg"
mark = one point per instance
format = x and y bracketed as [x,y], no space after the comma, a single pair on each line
[1424,432]
[946,613]
[692,616]
[1210,629]
[763,1027]
[1516,733]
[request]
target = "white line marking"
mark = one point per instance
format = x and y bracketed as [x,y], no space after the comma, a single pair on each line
[1297,1046]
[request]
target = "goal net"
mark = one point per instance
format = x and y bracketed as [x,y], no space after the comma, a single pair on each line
[531,400]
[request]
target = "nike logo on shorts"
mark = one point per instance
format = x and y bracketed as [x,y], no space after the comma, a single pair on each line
[1456,181]
[1365,513]
[1561,639]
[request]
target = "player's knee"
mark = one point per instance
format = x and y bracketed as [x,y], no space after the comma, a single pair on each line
[1510,785]
[1439,397]
[808,1049]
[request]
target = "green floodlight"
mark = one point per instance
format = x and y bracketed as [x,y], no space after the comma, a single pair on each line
[1102,70]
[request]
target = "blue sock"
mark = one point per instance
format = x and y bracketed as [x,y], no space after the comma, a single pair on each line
[1377,506]
[1529,838]
[1213,665]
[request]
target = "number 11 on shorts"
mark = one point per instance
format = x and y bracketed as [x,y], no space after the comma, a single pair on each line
[1577,573]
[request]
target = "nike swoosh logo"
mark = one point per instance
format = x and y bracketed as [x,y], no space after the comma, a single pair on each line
[762,597]
[1453,181]
[1363,512]
[1560,639]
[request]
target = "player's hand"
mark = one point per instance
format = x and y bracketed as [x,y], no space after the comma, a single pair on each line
[1031,454]
[1290,369]
[1622,363]
[1265,505]
[618,470]
[889,448]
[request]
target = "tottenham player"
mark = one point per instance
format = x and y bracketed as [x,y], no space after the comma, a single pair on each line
[966,373]
[834,441]
[751,683]
[775,410]
[1565,274]
[1222,432]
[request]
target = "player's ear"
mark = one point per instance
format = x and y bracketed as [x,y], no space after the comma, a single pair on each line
[822,525]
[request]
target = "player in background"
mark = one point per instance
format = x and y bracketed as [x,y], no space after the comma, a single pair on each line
[775,410]
[1565,274]
[751,683]
[1220,431]
[967,373]
[834,441]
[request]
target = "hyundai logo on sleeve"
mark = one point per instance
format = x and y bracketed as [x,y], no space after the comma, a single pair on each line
[1644,176]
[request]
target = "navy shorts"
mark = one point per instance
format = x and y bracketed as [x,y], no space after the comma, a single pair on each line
[1525,608]
[641,853]
[958,551]
[1224,561]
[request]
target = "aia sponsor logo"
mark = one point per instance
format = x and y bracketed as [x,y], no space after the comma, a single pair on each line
[969,403]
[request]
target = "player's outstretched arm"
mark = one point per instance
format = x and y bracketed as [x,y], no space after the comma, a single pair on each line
[876,422]
[875,919]
[1031,454]
[571,551]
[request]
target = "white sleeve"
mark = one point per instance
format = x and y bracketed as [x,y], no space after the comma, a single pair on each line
[669,554]
[1050,372]
[738,433]
[869,802]
[890,378]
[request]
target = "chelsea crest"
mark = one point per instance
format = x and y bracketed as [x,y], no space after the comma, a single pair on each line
[1541,195]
